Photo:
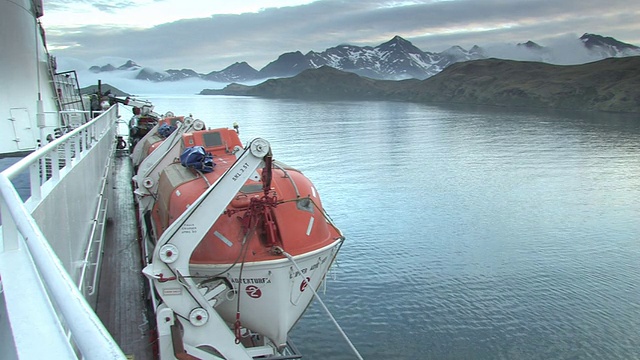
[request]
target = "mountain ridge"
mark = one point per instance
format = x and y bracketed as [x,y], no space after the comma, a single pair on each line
[395,59]
[611,84]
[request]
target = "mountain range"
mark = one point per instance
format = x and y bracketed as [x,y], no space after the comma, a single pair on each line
[395,59]
[612,84]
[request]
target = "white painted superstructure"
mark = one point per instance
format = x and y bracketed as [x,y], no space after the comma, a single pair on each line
[50,243]
[50,247]
[28,96]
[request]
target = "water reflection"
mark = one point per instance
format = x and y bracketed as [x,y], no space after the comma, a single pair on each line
[471,232]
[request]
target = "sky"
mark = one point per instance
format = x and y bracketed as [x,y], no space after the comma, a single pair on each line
[209,35]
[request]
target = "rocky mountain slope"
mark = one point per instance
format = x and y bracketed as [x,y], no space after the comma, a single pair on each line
[608,85]
[393,60]
[324,83]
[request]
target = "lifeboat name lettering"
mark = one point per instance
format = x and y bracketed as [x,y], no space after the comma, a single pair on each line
[245,281]
[242,170]
[313,267]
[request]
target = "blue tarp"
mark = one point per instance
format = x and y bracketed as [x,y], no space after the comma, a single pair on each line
[165,130]
[196,158]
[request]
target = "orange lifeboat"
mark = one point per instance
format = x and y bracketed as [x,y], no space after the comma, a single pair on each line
[143,146]
[152,142]
[240,263]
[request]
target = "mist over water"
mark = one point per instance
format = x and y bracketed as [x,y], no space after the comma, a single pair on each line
[126,81]
[560,50]
[472,233]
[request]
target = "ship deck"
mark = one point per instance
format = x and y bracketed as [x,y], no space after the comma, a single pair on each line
[121,301]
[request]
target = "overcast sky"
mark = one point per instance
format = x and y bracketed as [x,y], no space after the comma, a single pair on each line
[208,35]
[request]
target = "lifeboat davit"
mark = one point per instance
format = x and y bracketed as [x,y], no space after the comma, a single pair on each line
[164,128]
[147,133]
[255,264]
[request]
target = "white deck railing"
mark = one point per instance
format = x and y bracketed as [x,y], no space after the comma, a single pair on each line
[43,304]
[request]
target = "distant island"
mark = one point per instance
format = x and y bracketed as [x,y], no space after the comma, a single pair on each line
[611,84]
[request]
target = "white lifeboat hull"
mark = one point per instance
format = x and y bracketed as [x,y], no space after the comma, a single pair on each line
[273,294]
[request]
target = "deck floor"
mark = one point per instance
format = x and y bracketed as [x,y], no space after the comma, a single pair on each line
[121,301]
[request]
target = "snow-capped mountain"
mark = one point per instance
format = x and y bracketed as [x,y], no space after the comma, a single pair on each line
[105,68]
[287,65]
[239,71]
[608,47]
[395,59]
[530,45]
[129,66]
[177,75]
[152,75]
[456,54]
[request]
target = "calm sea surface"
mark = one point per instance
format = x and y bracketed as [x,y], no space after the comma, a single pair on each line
[472,233]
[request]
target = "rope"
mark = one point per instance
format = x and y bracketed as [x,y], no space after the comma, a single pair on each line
[346,338]
[238,324]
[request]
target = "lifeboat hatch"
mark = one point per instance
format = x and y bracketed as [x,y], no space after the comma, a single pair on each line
[305,204]
[212,139]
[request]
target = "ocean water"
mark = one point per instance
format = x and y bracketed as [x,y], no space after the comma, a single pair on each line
[472,233]
[20,181]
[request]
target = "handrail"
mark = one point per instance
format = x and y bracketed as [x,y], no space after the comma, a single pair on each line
[98,218]
[21,232]
[91,336]
[98,262]
[286,175]
[23,164]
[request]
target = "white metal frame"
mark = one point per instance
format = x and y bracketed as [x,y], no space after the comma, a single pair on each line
[42,301]
[171,259]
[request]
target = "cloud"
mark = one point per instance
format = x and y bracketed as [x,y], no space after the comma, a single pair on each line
[111,6]
[101,5]
[568,50]
[212,43]
[126,80]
